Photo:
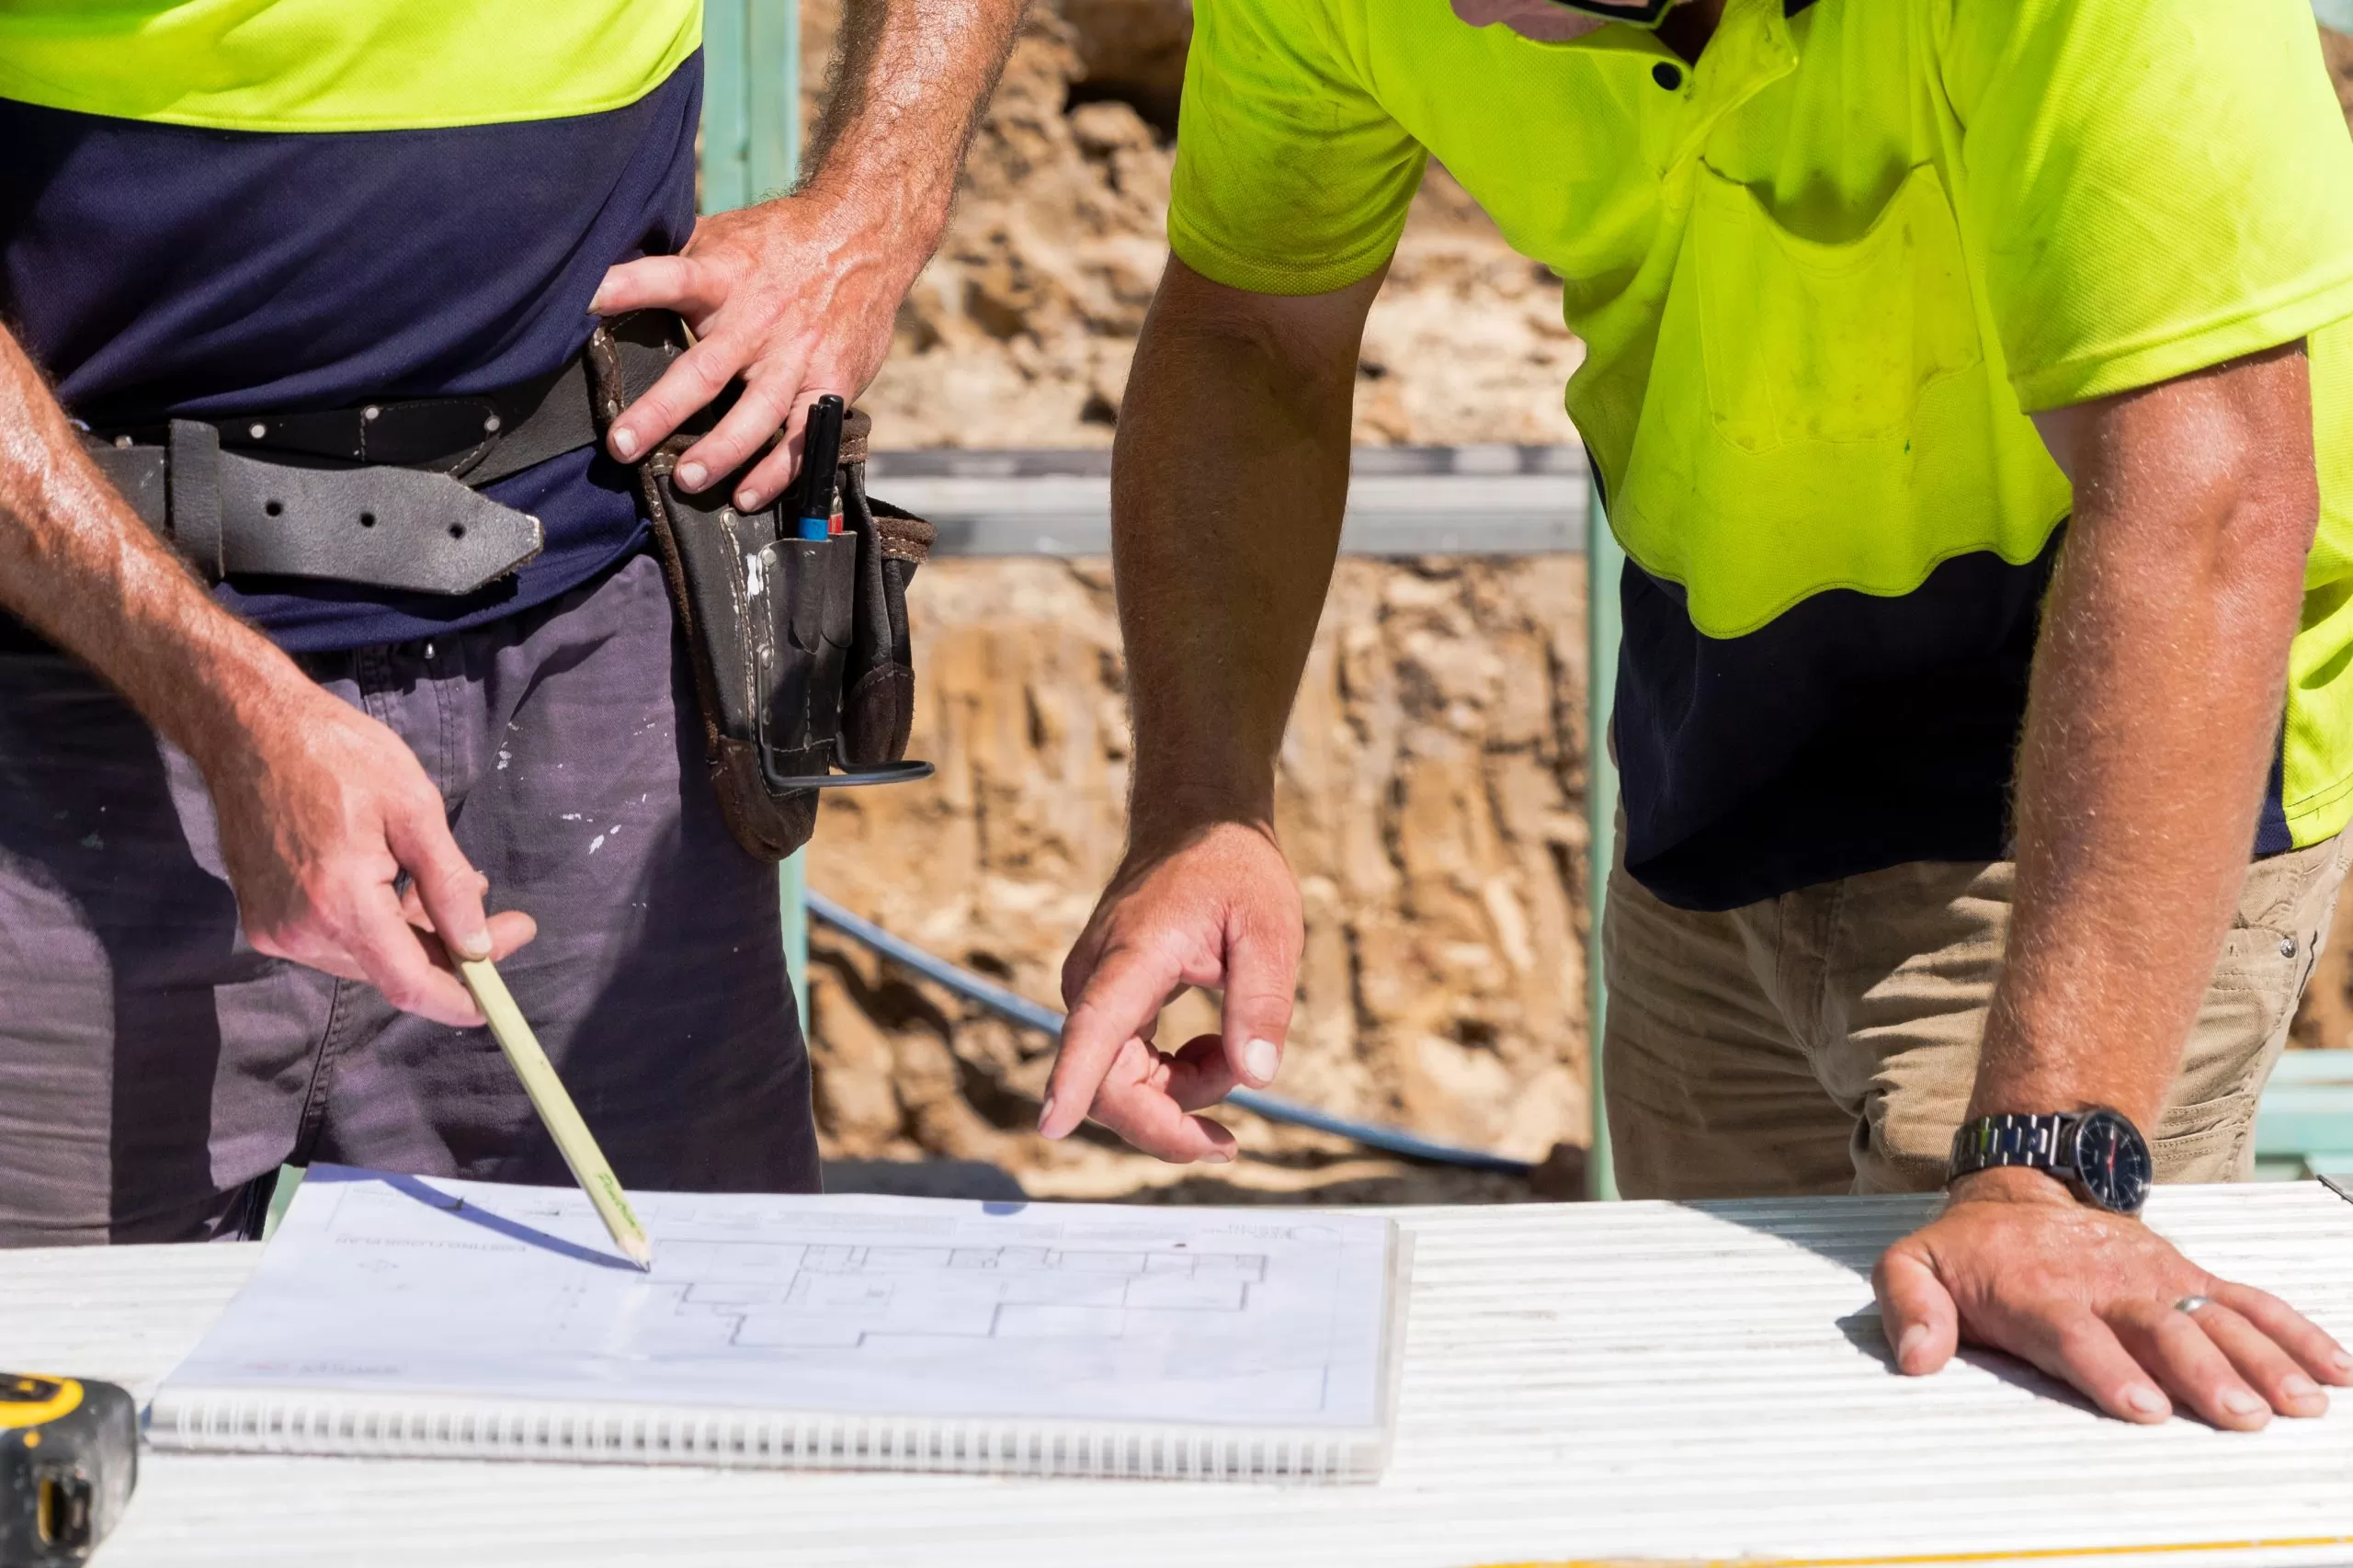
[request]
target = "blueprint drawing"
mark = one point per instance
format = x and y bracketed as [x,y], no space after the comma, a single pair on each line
[868,1306]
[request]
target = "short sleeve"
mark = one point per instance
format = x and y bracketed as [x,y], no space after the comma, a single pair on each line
[2155,186]
[1290,177]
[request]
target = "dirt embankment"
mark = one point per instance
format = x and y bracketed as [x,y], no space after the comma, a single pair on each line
[1020,331]
[1429,799]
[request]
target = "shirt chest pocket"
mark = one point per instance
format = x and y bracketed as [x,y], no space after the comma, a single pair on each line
[1805,341]
[1824,415]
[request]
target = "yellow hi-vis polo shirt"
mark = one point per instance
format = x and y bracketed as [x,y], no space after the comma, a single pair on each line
[328,66]
[1823,277]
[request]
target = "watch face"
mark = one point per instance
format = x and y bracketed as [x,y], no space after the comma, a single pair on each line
[2113,1162]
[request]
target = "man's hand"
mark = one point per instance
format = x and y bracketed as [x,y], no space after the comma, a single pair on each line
[1220,910]
[323,811]
[2015,1263]
[797,295]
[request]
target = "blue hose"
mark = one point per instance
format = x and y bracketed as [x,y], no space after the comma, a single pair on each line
[1030,1014]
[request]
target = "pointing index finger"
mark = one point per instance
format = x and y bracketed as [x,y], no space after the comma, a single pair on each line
[1121,1001]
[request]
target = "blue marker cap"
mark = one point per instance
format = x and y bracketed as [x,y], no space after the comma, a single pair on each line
[821,452]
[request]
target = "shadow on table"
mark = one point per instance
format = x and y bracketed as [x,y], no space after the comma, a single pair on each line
[1865,1331]
[1851,1232]
[924,1178]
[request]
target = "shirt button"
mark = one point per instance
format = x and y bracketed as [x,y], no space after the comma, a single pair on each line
[1667,76]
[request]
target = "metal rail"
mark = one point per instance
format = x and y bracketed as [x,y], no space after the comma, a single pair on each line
[1484,500]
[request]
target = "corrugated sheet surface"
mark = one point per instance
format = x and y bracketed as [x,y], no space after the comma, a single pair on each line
[1582,1381]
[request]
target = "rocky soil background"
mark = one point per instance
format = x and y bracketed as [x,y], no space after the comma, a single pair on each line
[1432,783]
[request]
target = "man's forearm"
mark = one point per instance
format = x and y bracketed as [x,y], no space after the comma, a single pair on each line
[78,565]
[1230,477]
[2156,698]
[908,85]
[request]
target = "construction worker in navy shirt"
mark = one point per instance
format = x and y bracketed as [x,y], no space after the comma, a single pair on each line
[243,824]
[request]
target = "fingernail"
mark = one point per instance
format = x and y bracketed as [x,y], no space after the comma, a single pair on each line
[1046,1114]
[625,443]
[692,475]
[749,500]
[1217,1157]
[2342,1361]
[2239,1401]
[2147,1401]
[596,303]
[1913,1337]
[2295,1385]
[1260,1057]
[476,945]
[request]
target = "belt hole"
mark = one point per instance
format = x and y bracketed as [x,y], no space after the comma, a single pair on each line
[457,530]
[273,507]
[366,520]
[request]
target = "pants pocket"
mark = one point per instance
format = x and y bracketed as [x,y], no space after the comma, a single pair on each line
[2210,1140]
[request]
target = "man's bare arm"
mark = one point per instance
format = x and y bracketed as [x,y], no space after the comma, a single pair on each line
[797,294]
[2157,696]
[321,807]
[1228,481]
[2154,718]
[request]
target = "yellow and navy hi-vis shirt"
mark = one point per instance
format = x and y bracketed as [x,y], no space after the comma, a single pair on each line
[1823,278]
[216,206]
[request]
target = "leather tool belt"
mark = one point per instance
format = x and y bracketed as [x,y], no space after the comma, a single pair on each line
[800,648]
[383,494]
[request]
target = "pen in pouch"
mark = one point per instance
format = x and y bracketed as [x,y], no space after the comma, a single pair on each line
[821,450]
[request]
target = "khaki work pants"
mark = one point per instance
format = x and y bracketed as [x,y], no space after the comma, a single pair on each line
[1827,1041]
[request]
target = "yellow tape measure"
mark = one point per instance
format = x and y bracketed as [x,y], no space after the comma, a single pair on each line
[69,1457]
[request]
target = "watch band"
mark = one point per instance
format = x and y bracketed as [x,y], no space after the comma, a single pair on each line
[2098,1153]
[2039,1142]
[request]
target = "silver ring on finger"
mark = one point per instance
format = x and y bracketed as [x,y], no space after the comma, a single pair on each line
[2191,1304]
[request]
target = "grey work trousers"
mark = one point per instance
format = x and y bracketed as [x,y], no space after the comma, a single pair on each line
[155,1070]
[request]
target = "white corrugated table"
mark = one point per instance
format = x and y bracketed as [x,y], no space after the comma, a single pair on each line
[1581,1381]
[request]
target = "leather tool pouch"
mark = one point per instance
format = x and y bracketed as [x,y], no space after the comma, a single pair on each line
[800,647]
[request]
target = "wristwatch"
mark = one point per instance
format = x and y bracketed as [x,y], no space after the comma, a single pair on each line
[2098,1153]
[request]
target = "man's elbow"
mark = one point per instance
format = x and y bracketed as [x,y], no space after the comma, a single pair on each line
[2212,472]
[2256,529]
[1303,338]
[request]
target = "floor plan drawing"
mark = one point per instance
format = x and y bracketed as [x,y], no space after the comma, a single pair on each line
[881,1305]
[840,1295]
